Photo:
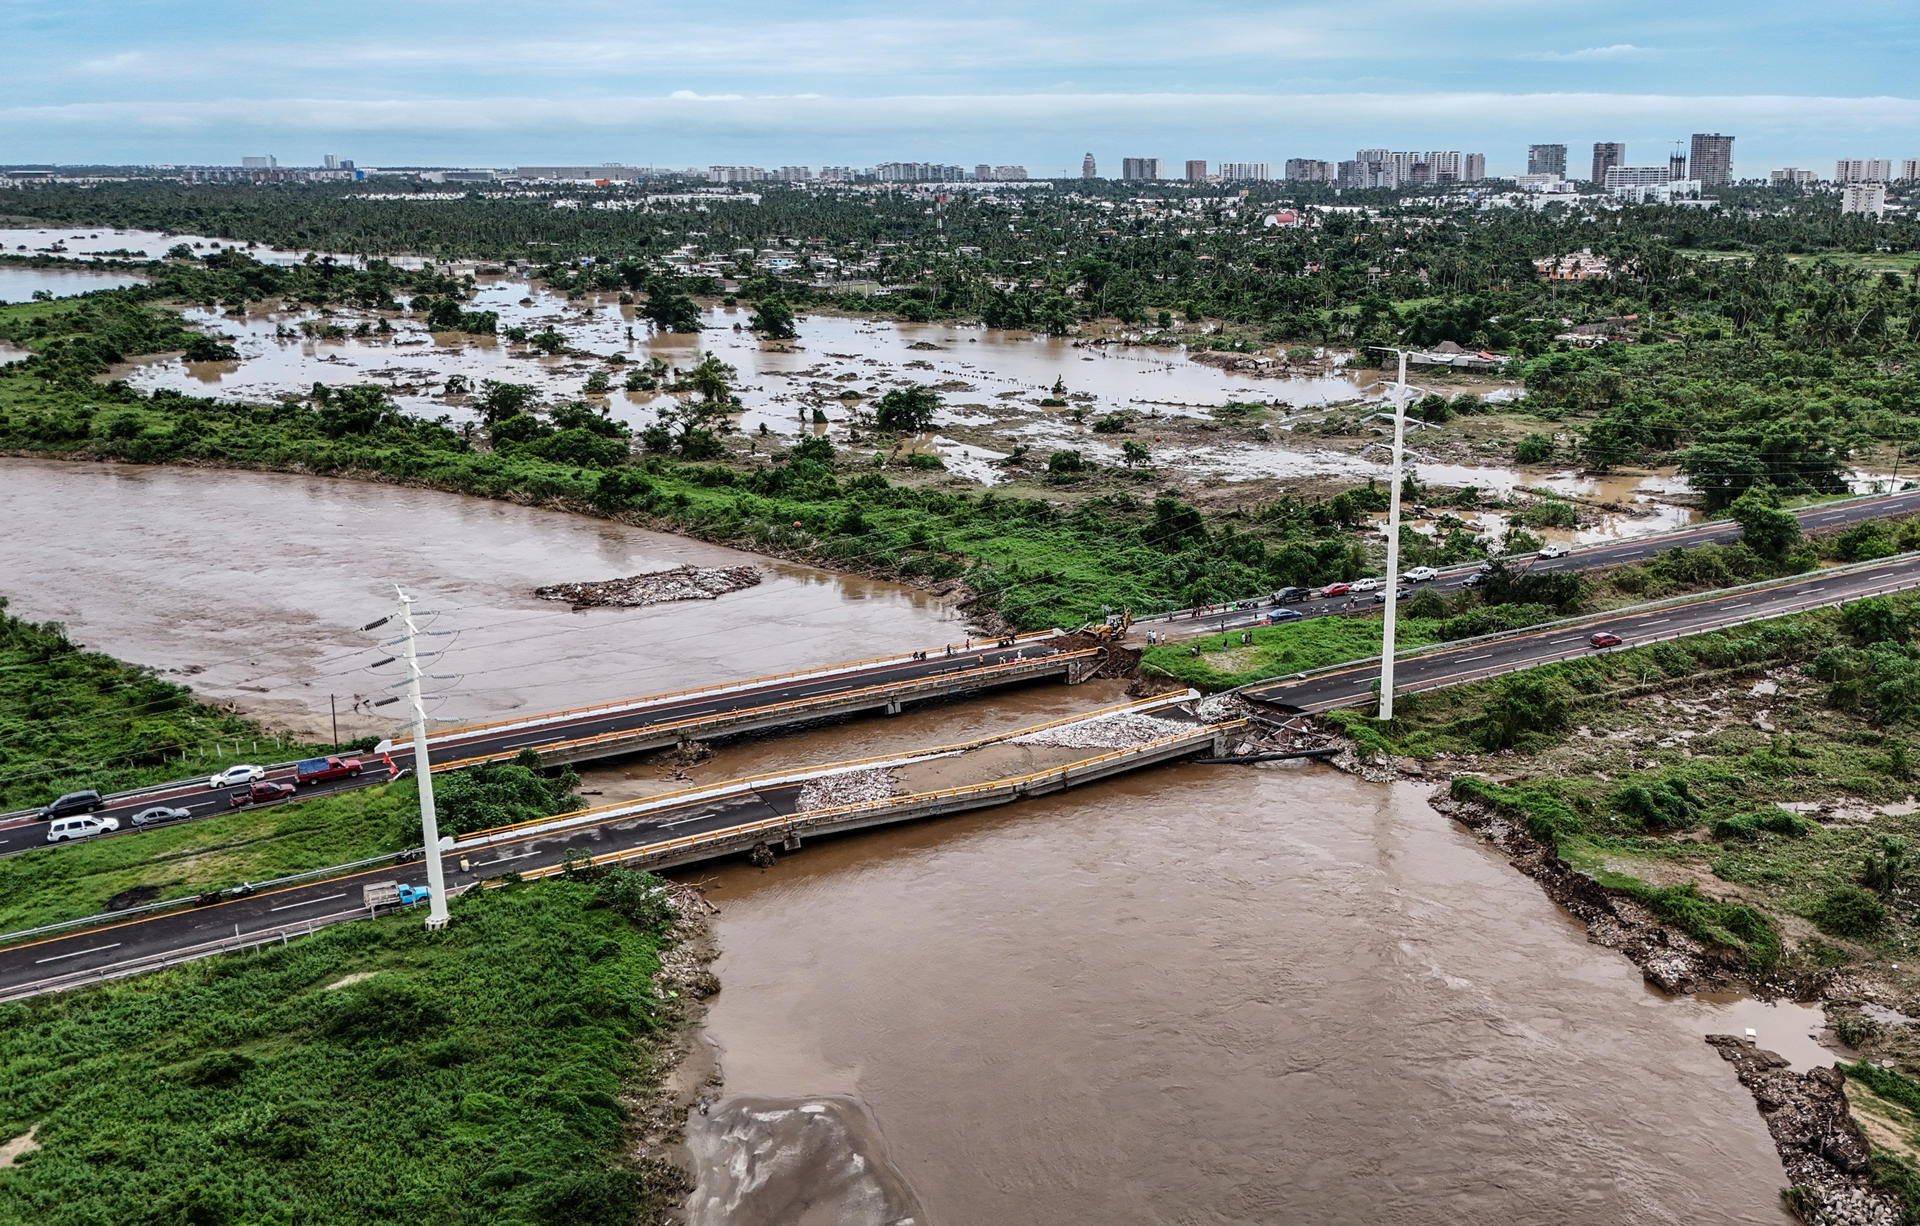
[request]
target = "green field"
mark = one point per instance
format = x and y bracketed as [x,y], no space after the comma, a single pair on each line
[372,1074]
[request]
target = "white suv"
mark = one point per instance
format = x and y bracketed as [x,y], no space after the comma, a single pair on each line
[1368,584]
[81,827]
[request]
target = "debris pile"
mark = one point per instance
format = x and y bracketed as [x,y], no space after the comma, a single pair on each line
[1117,731]
[656,587]
[849,788]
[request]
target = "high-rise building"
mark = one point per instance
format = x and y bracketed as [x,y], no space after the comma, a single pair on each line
[330,161]
[1606,155]
[264,162]
[983,172]
[1010,174]
[1865,200]
[1910,170]
[1309,170]
[1712,158]
[1862,170]
[1634,176]
[1476,168]
[1086,167]
[1791,176]
[1137,169]
[1547,160]
[1196,170]
[1244,172]
[1676,166]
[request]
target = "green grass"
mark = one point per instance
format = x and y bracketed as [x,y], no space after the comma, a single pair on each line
[72,880]
[71,718]
[1279,650]
[478,1075]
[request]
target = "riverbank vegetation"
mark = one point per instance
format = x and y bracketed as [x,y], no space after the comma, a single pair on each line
[1750,786]
[1033,562]
[72,718]
[372,1073]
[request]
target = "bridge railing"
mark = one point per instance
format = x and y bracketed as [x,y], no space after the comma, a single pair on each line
[466,731]
[817,816]
[627,808]
[1036,664]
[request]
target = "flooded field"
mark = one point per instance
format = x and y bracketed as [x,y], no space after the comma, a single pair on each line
[1209,995]
[19,283]
[106,243]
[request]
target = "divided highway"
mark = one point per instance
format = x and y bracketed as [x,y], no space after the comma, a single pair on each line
[622,726]
[1476,661]
[1821,517]
[657,826]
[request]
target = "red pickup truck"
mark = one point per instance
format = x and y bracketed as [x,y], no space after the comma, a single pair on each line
[259,794]
[316,770]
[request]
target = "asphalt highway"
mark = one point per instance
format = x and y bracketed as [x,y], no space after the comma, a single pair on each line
[1476,661]
[535,731]
[1821,517]
[334,897]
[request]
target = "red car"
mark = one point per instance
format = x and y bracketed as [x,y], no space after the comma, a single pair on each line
[1336,589]
[260,794]
[1604,638]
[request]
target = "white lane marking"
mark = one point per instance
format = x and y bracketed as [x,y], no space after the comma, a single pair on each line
[1740,605]
[1654,621]
[308,903]
[1483,656]
[98,949]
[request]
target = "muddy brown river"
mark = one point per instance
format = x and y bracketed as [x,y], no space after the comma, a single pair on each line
[1219,995]
[1198,995]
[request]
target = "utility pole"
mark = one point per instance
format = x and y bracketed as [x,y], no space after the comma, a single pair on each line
[1393,538]
[423,770]
[334,711]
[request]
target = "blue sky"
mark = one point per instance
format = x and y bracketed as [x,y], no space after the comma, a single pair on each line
[856,82]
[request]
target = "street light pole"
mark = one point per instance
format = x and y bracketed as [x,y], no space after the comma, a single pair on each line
[423,772]
[1393,539]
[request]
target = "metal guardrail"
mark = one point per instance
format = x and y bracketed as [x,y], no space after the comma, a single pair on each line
[466,731]
[1482,674]
[1585,619]
[187,900]
[747,782]
[1037,664]
[622,809]
[1702,528]
[1012,786]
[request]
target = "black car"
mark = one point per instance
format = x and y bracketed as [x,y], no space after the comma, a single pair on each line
[1291,595]
[160,815]
[72,803]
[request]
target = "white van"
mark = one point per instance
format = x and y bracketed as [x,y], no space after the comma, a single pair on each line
[81,827]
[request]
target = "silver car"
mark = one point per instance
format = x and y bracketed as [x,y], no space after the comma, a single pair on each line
[160,815]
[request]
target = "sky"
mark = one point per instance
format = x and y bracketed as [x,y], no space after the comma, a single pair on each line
[856,82]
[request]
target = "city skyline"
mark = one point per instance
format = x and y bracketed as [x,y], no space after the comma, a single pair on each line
[856,82]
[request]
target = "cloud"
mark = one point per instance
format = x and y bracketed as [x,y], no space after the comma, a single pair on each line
[1615,51]
[803,114]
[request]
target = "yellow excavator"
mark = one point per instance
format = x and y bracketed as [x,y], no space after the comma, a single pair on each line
[1114,628]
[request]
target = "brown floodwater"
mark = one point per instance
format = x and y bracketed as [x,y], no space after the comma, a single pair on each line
[252,586]
[19,283]
[1214,995]
[1195,995]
